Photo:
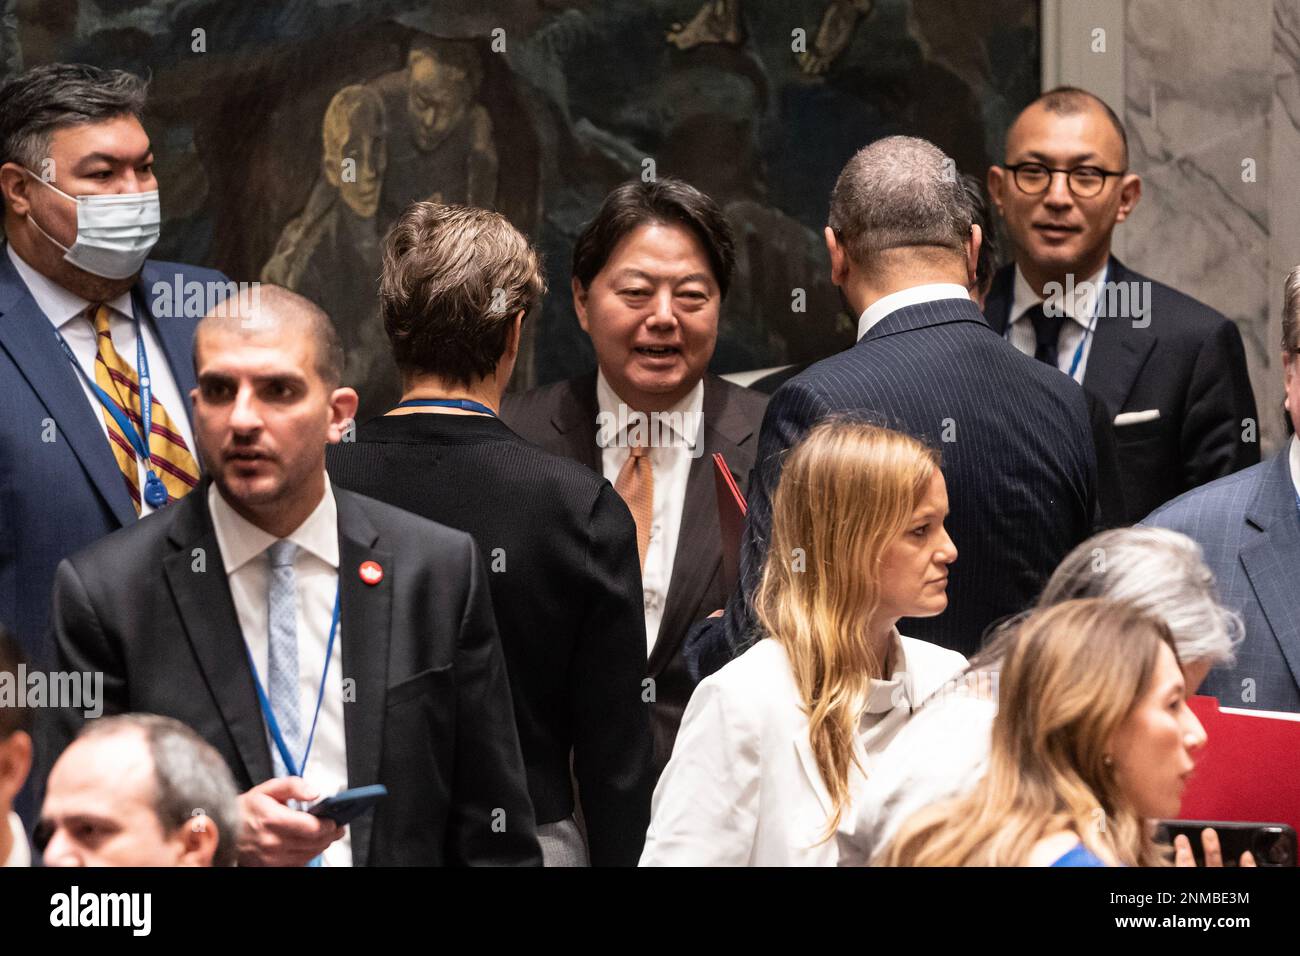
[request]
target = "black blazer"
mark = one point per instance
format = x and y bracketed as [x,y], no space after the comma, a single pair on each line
[1018,461]
[150,608]
[1188,364]
[561,551]
[562,419]
[1111,510]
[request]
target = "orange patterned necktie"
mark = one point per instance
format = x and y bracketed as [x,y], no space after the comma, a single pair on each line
[636,484]
[170,458]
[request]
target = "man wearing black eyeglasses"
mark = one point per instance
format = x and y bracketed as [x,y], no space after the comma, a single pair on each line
[1171,370]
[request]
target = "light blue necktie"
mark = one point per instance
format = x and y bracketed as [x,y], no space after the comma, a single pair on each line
[282,650]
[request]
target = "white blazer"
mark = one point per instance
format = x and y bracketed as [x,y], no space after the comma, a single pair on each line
[743,788]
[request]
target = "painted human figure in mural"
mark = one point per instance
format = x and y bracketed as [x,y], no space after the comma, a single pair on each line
[718,21]
[440,144]
[330,252]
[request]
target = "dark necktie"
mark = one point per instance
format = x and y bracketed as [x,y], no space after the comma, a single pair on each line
[1047,332]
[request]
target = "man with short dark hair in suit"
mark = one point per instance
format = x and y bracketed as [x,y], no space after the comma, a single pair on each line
[1171,370]
[77,297]
[318,639]
[76,271]
[1017,449]
[1111,511]
[649,275]
[1248,526]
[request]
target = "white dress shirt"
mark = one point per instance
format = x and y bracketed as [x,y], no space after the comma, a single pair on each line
[66,312]
[1080,309]
[671,463]
[931,292]
[742,787]
[20,856]
[316,569]
[1294,462]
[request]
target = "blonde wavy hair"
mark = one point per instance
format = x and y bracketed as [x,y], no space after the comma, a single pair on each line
[846,492]
[1072,675]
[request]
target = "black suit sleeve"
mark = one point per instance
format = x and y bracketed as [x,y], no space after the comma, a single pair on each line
[82,647]
[1219,398]
[792,412]
[612,751]
[491,820]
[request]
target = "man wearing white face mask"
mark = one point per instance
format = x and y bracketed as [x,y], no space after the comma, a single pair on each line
[94,431]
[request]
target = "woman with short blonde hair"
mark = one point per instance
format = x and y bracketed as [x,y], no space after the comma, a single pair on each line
[773,746]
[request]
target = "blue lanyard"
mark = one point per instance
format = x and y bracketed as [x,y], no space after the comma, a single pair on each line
[461,403]
[154,492]
[296,770]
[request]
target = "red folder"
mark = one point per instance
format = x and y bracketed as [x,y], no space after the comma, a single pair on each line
[1249,770]
[731,519]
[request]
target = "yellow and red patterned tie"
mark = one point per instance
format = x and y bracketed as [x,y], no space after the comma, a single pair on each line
[170,457]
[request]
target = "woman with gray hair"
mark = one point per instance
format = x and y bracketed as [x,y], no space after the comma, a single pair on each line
[943,751]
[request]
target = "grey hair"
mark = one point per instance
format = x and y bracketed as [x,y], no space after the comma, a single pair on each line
[36,103]
[1291,311]
[899,192]
[190,777]
[1161,572]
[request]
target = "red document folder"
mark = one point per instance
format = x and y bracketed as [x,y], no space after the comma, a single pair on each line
[1249,770]
[731,518]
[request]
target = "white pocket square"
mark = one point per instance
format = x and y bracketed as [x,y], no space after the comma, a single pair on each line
[1134,418]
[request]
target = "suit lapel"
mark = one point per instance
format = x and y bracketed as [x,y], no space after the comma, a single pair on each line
[29,338]
[574,419]
[365,622]
[813,776]
[207,613]
[694,566]
[1270,560]
[997,306]
[1118,350]
[176,337]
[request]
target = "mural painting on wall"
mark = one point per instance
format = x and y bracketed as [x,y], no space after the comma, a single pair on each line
[290,135]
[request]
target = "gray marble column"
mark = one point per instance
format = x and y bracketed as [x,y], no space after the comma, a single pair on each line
[1200,105]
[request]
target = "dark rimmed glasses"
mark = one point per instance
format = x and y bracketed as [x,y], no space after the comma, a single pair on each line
[1085,182]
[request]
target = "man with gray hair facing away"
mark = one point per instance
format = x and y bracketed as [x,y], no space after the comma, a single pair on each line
[139,790]
[1017,449]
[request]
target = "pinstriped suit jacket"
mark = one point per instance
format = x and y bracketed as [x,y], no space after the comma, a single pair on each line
[1017,451]
[1248,528]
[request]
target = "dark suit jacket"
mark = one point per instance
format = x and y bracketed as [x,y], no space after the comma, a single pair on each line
[1246,524]
[562,419]
[150,608]
[57,496]
[1111,510]
[1189,365]
[1019,463]
[60,487]
[561,550]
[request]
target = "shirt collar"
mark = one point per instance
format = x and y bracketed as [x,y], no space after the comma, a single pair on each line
[241,541]
[59,305]
[20,857]
[1025,298]
[684,417]
[884,696]
[932,292]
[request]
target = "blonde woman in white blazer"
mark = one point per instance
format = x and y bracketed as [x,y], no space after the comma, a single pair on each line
[775,746]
